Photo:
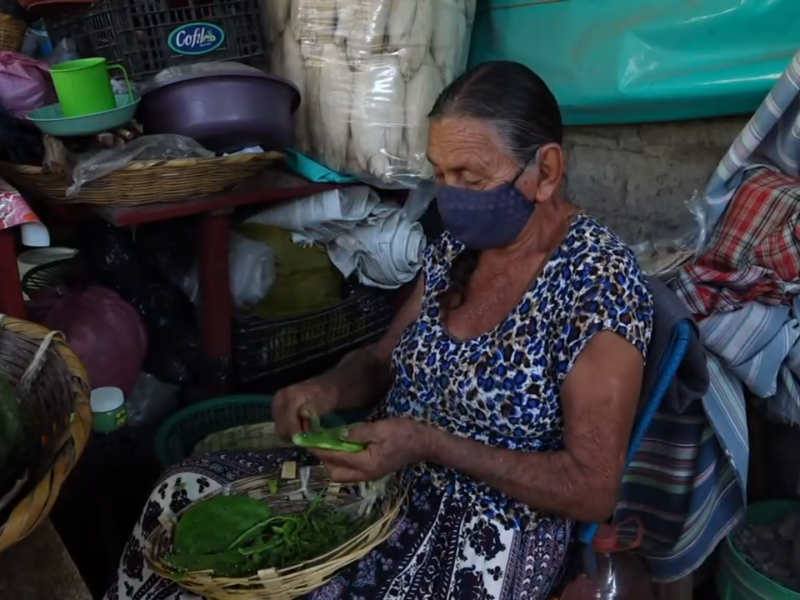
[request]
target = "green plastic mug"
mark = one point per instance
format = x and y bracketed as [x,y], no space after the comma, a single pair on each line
[84,86]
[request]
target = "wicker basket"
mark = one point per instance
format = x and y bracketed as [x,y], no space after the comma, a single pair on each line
[261,436]
[52,383]
[145,181]
[12,33]
[292,582]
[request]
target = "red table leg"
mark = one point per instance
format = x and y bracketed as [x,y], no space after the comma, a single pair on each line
[11,302]
[215,295]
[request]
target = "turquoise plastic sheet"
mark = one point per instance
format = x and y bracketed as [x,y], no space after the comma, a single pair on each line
[626,61]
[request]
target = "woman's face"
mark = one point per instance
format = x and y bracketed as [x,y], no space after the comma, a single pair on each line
[466,153]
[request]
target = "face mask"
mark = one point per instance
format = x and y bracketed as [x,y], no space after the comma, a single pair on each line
[482,219]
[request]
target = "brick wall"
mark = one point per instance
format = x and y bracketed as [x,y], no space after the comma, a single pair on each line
[638,178]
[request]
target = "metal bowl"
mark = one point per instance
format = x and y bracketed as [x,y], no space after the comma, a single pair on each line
[224,106]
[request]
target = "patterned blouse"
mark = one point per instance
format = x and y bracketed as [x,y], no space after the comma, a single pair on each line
[503,388]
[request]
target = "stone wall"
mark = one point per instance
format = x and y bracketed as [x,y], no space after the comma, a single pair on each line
[639,178]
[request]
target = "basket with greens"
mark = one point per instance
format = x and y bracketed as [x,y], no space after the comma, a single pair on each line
[273,537]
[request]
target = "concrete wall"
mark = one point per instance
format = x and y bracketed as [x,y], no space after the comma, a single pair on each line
[638,178]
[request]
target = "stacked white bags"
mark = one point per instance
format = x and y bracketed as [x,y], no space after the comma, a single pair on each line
[369,72]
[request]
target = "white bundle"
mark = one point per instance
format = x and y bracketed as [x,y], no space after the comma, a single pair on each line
[369,72]
[379,241]
[252,273]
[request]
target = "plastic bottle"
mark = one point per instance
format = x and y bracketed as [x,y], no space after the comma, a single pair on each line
[610,571]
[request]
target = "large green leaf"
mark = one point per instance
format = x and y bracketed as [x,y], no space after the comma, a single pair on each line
[213,525]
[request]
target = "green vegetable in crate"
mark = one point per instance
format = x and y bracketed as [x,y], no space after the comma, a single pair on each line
[17,446]
[236,536]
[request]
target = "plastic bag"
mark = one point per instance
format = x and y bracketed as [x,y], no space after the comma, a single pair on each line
[25,84]
[369,72]
[151,401]
[94,165]
[64,51]
[173,355]
[665,258]
[252,270]
[306,280]
[106,332]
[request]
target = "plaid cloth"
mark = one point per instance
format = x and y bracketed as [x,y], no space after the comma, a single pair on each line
[754,254]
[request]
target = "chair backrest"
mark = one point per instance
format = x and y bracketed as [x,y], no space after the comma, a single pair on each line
[680,338]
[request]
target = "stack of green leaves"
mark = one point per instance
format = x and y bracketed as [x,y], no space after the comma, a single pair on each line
[237,536]
[17,446]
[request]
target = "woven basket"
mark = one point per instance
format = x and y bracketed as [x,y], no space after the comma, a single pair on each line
[145,181]
[261,436]
[292,582]
[12,33]
[52,383]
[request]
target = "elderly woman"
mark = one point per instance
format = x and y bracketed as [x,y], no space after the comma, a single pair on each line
[505,389]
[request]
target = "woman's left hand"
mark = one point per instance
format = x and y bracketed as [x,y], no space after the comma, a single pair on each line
[391,445]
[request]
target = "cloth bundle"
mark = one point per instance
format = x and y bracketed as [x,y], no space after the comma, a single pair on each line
[362,234]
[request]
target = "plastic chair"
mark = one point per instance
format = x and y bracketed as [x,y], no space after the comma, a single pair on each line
[673,357]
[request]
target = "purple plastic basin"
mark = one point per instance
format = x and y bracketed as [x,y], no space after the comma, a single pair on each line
[225,112]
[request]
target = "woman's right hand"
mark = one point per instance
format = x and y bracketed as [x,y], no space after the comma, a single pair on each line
[294,407]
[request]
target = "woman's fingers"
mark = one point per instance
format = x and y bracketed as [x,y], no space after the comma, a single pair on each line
[360,461]
[346,475]
[286,419]
[295,409]
[308,416]
[331,457]
[360,433]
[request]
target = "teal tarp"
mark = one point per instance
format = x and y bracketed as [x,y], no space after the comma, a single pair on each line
[623,61]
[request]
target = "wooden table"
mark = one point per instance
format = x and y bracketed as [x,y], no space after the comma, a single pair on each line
[269,187]
[40,568]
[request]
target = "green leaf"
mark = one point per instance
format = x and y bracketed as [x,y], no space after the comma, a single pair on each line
[213,525]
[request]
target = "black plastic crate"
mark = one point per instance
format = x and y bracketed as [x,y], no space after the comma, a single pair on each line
[264,348]
[144,36]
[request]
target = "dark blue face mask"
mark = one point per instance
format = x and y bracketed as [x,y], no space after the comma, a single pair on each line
[483,219]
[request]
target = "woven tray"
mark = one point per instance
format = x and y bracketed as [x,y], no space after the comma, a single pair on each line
[291,582]
[145,181]
[52,383]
